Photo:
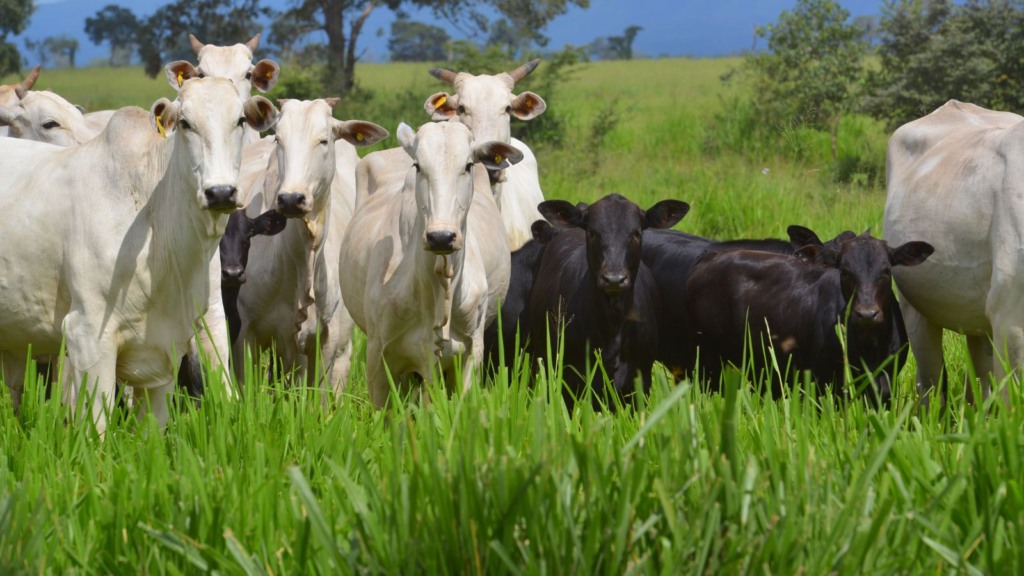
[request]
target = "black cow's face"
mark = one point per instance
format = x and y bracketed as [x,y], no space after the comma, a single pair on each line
[614,228]
[865,274]
[234,245]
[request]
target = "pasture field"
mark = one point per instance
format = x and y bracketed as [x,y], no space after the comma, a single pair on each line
[502,479]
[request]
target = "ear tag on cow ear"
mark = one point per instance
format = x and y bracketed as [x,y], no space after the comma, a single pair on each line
[270,74]
[498,158]
[160,127]
[181,78]
[359,136]
[529,102]
[440,102]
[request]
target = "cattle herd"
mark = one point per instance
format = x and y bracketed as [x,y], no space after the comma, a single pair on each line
[136,241]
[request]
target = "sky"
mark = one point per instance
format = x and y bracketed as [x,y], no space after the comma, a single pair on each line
[698,28]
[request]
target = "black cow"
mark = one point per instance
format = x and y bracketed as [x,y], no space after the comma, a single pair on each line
[592,285]
[799,302]
[234,256]
[509,332]
[671,256]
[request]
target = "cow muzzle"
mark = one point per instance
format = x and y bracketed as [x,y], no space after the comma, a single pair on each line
[867,315]
[292,204]
[613,283]
[442,242]
[233,275]
[221,198]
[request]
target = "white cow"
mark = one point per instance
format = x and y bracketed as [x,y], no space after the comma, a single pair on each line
[485,104]
[422,268]
[291,300]
[45,117]
[9,92]
[107,245]
[955,179]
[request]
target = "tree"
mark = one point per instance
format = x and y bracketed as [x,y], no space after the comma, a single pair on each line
[14,17]
[118,26]
[615,47]
[224,22]
[342,21]
[416,42]
[934,50]
[62,48]
[812,67]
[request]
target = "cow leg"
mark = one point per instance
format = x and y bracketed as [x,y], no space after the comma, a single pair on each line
[214,338]
[980,350]
[14,375]
[343,361]
[376,373]
[156,399]
[92,364]
[926,344]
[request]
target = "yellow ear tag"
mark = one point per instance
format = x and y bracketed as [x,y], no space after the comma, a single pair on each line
[529,103]
[181,78]
[270,74]
[160,127]
[497,158]
[359,136]
[440,102]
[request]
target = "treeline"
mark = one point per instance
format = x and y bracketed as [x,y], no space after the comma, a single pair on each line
[823,70]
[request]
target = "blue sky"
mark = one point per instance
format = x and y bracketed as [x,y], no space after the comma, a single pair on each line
[670,27]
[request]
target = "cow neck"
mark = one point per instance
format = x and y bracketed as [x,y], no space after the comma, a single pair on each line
[614,313]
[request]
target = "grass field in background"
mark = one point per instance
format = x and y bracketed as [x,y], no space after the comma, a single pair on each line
[502,479]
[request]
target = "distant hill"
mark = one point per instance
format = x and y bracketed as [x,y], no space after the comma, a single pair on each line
[670,27]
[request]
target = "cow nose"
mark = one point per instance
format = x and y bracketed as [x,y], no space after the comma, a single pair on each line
[867,314]
[291,203]
[440,241]
[233,274]
[615,278]
[221,197]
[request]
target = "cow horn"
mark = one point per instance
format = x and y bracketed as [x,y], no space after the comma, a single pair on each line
[444,75]
[524,70]
[196,44]
[30,80]
[253,42]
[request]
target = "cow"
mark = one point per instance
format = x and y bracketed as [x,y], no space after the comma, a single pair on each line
[671,256]
[110,253]
[593,294]
[794,303]
[292,301]
[509,333]
[42,116]
[953,180]
[486,104]
[423,268]
[9,93]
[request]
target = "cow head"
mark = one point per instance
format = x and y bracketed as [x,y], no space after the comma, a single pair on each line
[45,117]
[614,228]
[234,245]
[865,273]
[443,158]
[235,64]
[208,122]
[485,103]
[305,136]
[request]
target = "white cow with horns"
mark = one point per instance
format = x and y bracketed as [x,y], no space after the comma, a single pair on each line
[107,245]
[955,179]
[42,116]
[422,268]
[486,104]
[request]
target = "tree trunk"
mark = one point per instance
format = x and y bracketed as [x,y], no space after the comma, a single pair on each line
[835,137]
[334,26]
[349,77]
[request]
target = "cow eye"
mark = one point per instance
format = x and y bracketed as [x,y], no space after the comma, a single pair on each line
[323,142]
[248,75]
[184,125]
[416,165]
[51,125]
[508,109]
[469,167]
[202,74]
[241,121]
[462,109]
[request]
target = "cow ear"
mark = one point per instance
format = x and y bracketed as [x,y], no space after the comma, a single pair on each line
[911,253]
[359,132]
[528,106]
[665,214]
[542,231]
[563,214]
[269,223]
[800,236]
[407,138]
[179,71]
[497,155]
[165,115]
[441,106]
[260,113]
[264,74]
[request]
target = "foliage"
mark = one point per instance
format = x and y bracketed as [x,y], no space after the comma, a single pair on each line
[934,50]
[118,26]
[416,42]
[14,17]
[812,67]
[615,47]
[162,39]
[56,51]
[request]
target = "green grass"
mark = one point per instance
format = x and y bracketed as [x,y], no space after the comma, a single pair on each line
[502,479]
